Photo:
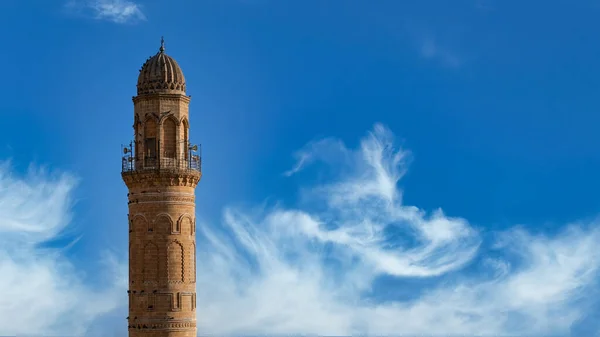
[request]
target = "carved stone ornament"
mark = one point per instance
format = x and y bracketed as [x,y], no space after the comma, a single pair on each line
[157,178]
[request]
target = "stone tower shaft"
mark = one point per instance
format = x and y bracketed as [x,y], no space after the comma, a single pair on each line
[161,171]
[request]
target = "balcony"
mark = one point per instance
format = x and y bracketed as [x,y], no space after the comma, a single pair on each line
[131,164]
[186,161]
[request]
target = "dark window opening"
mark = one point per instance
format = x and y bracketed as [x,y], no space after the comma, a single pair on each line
[150,147]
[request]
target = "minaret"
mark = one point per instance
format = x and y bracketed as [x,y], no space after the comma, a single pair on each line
[161,170]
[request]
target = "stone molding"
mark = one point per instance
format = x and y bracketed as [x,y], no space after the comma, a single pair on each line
[162,97]
[134,199]
[161,178]
[173,326]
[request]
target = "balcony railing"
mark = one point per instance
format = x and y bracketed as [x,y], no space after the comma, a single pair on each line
[130,164]
[186,158]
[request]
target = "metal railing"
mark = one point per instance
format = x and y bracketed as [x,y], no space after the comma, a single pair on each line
[130,164]
[188,160]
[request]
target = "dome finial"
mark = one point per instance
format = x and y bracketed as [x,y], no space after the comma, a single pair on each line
[162,44]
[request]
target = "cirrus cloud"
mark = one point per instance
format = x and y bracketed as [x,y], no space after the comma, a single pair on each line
[350,257]
[41,292]
[314,268]
[117,11]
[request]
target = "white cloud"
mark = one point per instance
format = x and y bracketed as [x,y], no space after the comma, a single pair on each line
[309,269]
[117,11]
[313,268]
[40,291]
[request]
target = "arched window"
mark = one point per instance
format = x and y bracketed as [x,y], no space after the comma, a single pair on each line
[150,139]
[169,138]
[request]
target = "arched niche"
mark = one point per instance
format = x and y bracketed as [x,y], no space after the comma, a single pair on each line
[139,224]
[163,224]
[175,262]
[185,224]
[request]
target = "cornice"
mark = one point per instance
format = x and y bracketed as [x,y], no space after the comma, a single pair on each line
[164,325]
[161,97]
[143,199]
[161,178]
[168,197]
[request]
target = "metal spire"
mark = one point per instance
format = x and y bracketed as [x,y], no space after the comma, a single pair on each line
[162,44]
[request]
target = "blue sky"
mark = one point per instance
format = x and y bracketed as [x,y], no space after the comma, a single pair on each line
[404,167]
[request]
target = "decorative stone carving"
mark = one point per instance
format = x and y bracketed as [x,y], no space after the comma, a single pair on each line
[156,198]
[160,74]
[163,326]
[166,177]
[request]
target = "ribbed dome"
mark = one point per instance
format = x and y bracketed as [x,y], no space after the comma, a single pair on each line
[161,74]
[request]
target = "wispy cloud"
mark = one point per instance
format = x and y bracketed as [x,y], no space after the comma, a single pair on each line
[317,267]
[40,291]
[314,268]
[436,44]
[117,11]
[430,48]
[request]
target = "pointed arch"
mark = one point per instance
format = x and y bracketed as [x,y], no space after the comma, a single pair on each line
[175,261]
[150,141]
[150,126]
[150,263]
[185,124]
[152,115]
[169,137]
[167,115]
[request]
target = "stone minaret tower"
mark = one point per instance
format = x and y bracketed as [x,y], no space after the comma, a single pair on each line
[161,171]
